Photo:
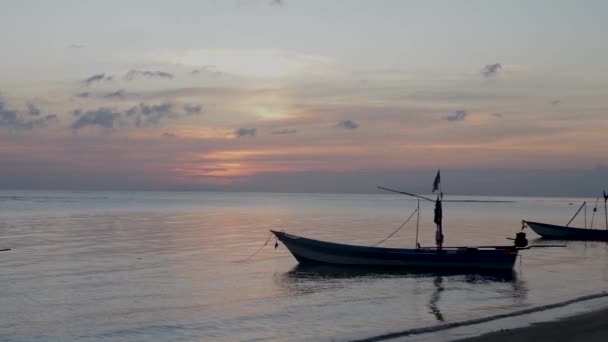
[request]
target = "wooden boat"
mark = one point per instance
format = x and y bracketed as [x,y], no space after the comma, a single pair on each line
[309,251]
[552,231]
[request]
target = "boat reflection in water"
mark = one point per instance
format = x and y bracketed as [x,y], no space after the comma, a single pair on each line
[434,301]
[370,286]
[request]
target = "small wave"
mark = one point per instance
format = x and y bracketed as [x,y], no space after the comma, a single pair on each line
[424,330]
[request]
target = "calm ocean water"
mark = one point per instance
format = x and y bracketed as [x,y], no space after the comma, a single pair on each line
[164,266]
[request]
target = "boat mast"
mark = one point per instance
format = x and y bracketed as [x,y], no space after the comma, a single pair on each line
[605,211]
[438,211]
[438,219]
[417,220]
[593,212]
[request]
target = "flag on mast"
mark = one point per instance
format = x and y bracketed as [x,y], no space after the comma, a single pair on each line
[437,181]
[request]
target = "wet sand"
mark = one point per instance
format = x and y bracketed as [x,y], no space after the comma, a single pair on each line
[591,327]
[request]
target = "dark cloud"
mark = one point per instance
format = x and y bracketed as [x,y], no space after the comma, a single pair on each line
[284,131]
[76,46]
[151,115]
[491,69]
[11,119]
[33,110]
[192,109]
[348,124]
[243,132]
[119,94]
[168,135]
[141,115]
[83,95]
[102,117]
[133,74]
[555,102]
[458,115]
[7,116]
[97,78]
[513,182]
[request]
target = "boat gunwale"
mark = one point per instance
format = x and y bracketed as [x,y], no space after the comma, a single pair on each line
[555,226]
[392,249]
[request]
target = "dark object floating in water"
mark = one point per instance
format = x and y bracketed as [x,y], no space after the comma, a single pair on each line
[309,251]
[5,249]
[552,231]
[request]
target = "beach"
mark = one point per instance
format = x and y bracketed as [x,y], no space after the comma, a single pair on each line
[589,327]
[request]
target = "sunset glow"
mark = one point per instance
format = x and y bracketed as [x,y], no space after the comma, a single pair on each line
[250,93]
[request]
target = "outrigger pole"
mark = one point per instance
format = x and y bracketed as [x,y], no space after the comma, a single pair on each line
[406,193]
[578,211]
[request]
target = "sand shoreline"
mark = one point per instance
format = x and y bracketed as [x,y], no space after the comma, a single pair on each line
[590,326]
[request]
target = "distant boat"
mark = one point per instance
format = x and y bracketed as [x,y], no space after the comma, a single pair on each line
[552,231]
[309,251]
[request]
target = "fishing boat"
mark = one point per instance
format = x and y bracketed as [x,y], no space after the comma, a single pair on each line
[310,251]
[552,231]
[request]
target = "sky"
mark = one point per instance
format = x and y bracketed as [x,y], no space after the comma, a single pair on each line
[506,98]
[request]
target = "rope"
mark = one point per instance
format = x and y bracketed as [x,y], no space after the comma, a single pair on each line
[395,232]
[258,251]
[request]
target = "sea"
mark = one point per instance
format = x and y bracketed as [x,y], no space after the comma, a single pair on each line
[194,266]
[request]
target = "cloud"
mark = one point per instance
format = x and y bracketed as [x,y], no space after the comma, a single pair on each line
[284,131]
[211,70]
[33,110]
[491,69]
[192,109]
[168,135]
[497,115]
[277,2]
[97,78]
[102,117]
[266,63]
[11,119]
[348,124]
[458,115]
[151,115]
[242,132]
[83,95]
[76,46]
[555,102]
[141,115]
[120,94]
[133,74]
